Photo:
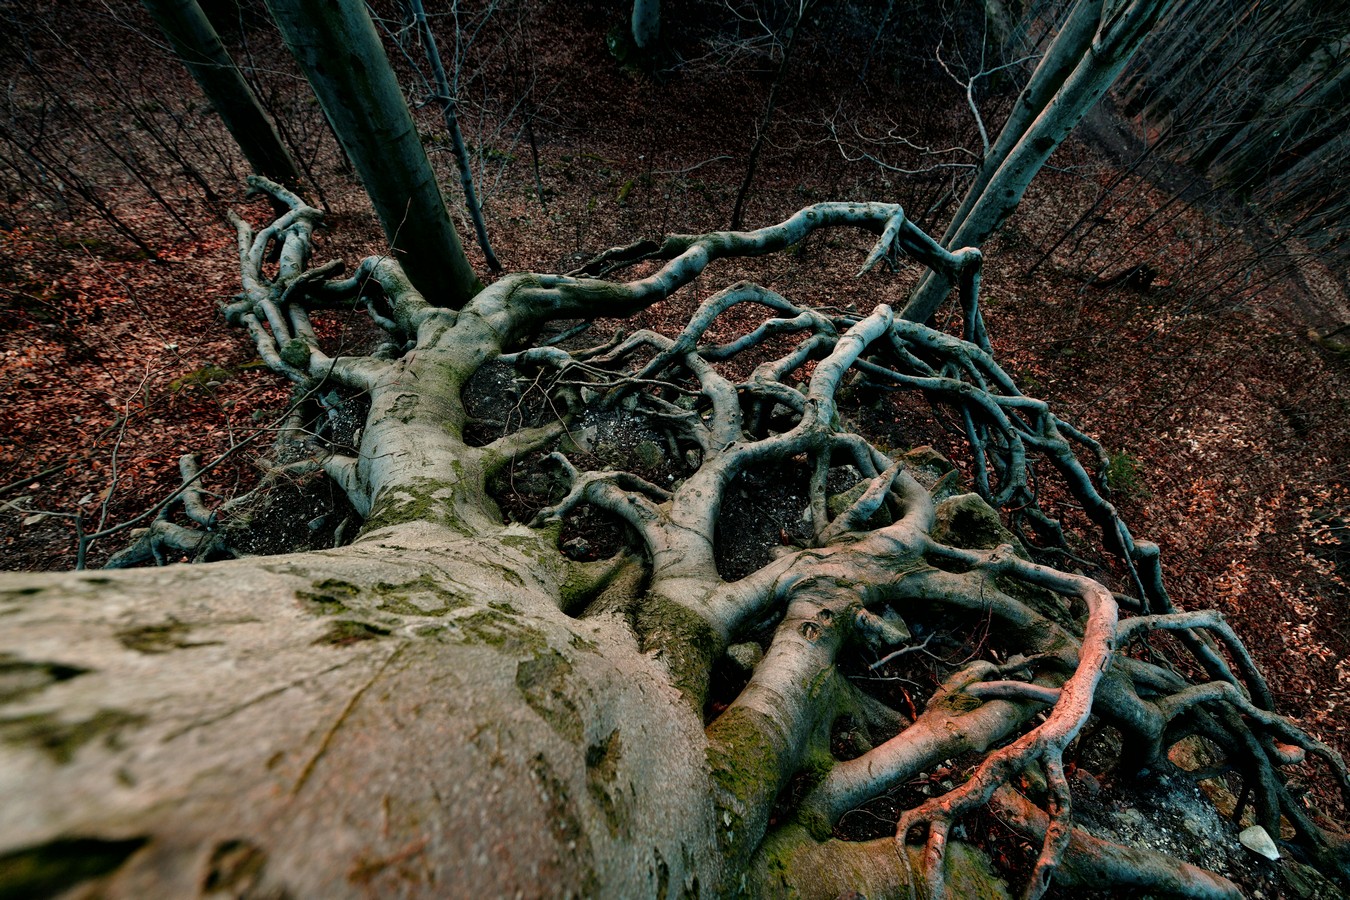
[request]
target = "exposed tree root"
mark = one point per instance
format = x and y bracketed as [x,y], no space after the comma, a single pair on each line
[855,591]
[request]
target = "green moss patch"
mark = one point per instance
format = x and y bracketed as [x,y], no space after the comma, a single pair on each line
[970,523]
[162,637]
[501,630]
[602,769]
[329,597]
[685,642]
[62,740]
[537,546]
[53,868]
[21,677]
[295,352]
[346,632]
[967,521]
[744,761]
[585,645]
[422,500]
[402,598]
[542,681]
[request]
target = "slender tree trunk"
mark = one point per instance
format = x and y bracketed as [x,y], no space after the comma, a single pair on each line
[646,23]
[199,47]
[1190,58]
[1060,59]
[446,98]
[1137,85]
[340,53]
[1261,145]
[1110,50]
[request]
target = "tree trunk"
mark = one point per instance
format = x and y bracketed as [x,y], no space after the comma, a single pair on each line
[340,53]
[1264,145]
[1061,58]
[199,47]
[445,97]
[1114,42]
[646,23]
[408,715]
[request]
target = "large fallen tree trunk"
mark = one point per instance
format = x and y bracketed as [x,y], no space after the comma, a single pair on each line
[452,706]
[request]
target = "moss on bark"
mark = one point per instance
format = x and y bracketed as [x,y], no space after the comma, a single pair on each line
[685,641]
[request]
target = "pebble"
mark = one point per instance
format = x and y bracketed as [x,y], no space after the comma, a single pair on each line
[1257,840]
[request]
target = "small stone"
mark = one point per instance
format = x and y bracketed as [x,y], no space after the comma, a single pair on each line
[295,353]
[1132,817]
[1086,783]
[577,548]
[899,632]
[926,457]
[649,455]
[1257,840]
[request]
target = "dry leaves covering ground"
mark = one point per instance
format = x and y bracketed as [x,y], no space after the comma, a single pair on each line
[1229,425]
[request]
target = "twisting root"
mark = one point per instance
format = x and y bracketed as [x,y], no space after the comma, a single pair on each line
[766,420]
[876,579]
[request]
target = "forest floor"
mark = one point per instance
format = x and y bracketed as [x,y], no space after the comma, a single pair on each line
[1227,425]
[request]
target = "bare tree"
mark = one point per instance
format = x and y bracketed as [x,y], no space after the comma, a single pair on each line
[1256,110]
[790,32]
[450,704]
[445,98]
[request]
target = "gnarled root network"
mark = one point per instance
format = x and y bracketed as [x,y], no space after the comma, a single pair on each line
[875,575]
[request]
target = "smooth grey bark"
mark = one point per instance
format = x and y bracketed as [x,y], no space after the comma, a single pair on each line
[340,53]
[1058,62]
[646,23]
[1116,32]
[408,716]
[195,41]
